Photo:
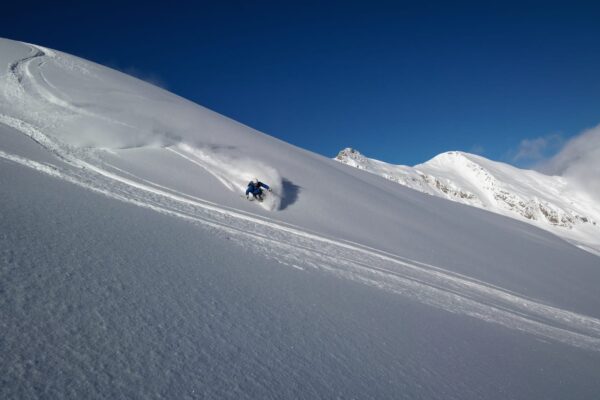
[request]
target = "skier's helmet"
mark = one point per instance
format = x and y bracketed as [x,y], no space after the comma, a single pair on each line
[255,181]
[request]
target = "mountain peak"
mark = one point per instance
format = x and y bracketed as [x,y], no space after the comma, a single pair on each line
[348,152]
[450,157]
[352,157]
[546,201]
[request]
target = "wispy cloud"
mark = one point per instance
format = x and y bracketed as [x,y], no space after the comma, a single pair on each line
[579,159]
[531,151]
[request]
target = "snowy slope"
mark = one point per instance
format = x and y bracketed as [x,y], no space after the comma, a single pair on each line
[549,202]
[131,267]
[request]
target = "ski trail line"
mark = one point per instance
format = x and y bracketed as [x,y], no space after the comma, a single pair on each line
[295,247]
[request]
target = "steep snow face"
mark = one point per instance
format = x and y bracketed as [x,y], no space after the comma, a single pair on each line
[549,202]
[132,266]
[82,111]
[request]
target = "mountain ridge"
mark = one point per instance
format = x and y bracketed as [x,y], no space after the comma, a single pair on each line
[550,202]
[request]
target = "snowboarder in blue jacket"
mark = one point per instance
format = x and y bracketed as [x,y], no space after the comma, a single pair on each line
[255,188]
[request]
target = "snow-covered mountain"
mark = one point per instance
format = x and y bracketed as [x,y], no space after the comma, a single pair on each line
[549,202]
[131,265]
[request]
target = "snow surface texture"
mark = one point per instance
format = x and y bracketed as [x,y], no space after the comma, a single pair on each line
[132,268]
[554,203]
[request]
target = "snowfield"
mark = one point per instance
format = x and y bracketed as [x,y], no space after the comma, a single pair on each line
[131,266]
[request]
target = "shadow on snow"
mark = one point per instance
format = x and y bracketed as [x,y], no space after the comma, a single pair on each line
[289,193]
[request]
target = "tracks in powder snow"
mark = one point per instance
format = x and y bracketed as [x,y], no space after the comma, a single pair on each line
[302,249]
[299,248]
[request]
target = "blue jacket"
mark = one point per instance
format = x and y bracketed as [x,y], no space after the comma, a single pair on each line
[255,188]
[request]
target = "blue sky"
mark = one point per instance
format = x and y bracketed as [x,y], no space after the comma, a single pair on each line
[400,82]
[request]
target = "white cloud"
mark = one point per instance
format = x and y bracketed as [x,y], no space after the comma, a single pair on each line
[534,150]
[579,159]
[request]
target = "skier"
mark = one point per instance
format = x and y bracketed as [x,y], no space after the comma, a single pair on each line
[255,188]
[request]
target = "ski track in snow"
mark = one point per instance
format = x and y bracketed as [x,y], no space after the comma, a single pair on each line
[294,246]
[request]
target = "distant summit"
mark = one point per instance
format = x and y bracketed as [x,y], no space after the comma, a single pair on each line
[549,202]
[352,157]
